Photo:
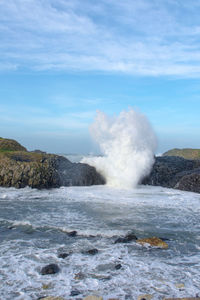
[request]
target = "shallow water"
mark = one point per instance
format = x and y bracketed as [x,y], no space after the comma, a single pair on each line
[33,231]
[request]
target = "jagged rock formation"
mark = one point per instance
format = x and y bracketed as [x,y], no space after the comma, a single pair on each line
[175,172]
[20,168]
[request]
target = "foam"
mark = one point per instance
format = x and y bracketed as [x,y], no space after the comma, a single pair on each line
[102,210]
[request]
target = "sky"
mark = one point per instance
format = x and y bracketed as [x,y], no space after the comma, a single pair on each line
[61,61]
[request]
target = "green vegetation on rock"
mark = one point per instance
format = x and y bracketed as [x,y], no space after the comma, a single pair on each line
[185,153]
[20,168]
[10,145]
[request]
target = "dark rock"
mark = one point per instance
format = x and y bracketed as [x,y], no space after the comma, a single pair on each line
[175,172]
[75,293]
[118,266]
[72,233]
[128,238]
[190,182]
[92,251]
[63,255]
[20,168]
[50,269]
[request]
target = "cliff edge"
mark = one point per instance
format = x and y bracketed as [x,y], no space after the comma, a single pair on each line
[20,168]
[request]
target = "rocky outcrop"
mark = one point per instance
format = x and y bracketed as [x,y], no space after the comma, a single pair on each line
[175,172]
[20,168]
[187,153]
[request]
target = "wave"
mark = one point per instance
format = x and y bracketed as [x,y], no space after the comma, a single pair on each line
[127,143]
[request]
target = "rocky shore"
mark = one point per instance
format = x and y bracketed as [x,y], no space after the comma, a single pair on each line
[20,168]
[37,169]
[175,172]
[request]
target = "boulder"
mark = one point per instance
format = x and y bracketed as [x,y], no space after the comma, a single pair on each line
[63,255]
[154,242]
[50,269]
[91,251]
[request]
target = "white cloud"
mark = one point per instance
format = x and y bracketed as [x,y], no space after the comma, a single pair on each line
[146,37]
[37,118]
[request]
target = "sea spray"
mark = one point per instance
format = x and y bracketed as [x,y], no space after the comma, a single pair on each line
[128,143]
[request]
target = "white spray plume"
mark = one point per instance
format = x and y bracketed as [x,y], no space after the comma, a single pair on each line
[128,143]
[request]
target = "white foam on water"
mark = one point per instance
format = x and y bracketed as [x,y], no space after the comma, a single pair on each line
[104,212]
[127,143]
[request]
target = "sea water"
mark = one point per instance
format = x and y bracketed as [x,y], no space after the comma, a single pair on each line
[33,232]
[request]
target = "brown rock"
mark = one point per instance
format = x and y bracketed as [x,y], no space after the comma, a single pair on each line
[92,297]
[154,242]
[145,297]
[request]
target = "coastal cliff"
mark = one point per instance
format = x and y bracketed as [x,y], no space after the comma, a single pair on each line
[175,172]
[20,168]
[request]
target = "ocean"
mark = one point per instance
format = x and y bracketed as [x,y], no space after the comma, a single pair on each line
[34,227]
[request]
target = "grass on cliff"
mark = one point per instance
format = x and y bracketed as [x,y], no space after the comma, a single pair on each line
[7,145]
[185,153]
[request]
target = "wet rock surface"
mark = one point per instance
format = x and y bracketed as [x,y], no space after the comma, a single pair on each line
[91,251]
[63,255]
[20,168]
[127,238]
[154,242]
[175,172]
[50,269]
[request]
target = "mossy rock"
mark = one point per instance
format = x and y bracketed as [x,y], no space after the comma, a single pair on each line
[20,168]
[154,242]
[10,145]
[185,153]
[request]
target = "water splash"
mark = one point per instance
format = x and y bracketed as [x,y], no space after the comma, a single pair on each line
[128,143]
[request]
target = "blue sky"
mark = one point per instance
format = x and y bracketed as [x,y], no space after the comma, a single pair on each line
[60,61]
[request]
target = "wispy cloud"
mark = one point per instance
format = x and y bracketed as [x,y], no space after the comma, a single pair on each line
[146,37]
[36,118]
